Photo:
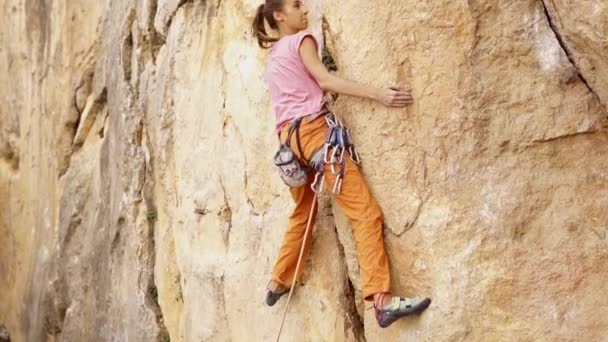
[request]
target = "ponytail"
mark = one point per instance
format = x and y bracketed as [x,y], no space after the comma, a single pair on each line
[265,11]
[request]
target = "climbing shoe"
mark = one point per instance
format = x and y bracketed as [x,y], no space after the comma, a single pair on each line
[273,297]
[400,306]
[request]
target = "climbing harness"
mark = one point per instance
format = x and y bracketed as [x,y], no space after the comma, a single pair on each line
[292,172]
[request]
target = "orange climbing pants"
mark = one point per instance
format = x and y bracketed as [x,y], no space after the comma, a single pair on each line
[356,202]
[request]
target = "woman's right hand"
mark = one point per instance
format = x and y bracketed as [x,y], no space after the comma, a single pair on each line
[394,97]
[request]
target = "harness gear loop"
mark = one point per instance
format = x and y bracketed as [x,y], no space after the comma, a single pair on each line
[295,127]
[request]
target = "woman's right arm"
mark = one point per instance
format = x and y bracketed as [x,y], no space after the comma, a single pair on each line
[390,97]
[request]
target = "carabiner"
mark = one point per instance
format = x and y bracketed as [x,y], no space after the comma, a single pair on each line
[315,184]
[338,122]
[329,134]
[341,155]
[330,121]
[333,169]
[337,185]
[326,154]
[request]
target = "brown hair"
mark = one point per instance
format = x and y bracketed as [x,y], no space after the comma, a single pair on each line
[265,11]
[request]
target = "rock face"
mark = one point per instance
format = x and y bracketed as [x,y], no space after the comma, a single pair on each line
[138,200]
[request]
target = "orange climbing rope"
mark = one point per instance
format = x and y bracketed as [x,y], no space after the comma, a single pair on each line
[293,282]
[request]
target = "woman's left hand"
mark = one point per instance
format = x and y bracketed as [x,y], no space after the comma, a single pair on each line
[394,97]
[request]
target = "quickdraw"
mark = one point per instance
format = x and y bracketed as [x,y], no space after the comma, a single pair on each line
[337,142]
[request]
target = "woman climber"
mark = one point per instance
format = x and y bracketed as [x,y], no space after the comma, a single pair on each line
[296,80]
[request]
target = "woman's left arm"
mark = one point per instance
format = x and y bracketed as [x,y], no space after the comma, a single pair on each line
[390,97]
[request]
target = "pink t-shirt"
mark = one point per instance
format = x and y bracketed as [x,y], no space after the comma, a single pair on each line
[293,90]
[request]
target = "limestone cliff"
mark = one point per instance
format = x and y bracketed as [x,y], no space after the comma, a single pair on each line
[138,200]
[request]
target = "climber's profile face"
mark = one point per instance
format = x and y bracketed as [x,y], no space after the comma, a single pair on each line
[293,16]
